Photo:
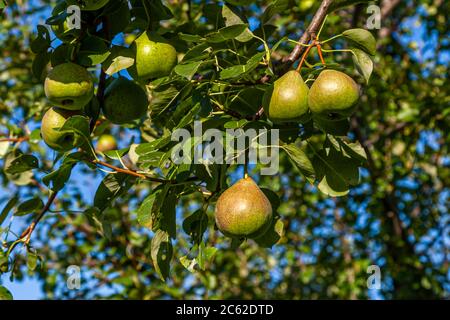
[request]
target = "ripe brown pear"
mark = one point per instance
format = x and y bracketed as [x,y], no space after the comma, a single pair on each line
[287,99]
[243,210]
[333,96]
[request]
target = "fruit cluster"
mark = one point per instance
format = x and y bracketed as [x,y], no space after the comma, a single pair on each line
[70,88]
[243,210]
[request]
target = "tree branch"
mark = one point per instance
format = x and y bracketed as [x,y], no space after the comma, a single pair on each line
[311,31]
[131,172]
[297,52]
[27,233]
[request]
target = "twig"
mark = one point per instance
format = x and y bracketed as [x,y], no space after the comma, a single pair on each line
[21,139]
[311,31]
[300,48]
[27,233]
[130,172]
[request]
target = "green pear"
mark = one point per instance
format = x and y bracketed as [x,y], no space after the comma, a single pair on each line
[333,95]
[154,57]
[54,119]
[69,86]
[89,5]
[287,99]
[243,210]
[106,142]
[125,101]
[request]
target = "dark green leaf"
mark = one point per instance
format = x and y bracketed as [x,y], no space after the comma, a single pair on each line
[22,163]
[301,160]
[5,294]
[363,63]
[188,70]
[29,206]
[161,252]
[226,33]
[363,39]
[11,203]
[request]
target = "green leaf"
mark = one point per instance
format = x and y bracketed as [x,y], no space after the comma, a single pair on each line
[336,171]
[144,214]
[190,37]
[363,39]
[4,147]
[226,33]
[56,180]
[22,163]
[337,127]
[20,179]
[42,41]
[35,136]
[121,58]
[29,206]
[168,211]
[353,150]
[79,126]
[5,294]
[39,65]
[188,70]
[301,160]
[274,8]
[363,63]
[273,234]
[339,4]
[4,214]
[32,260]
[241,70]
[232,18]
[109,189]
[161,253]
[116,154]
[93,51]
[195,225]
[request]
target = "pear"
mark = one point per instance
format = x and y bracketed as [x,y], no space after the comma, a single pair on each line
[54,119]
[154,57]
[89,5]
[69,86]
[333,96]
[243,210]
[124,102]
[106,142]
[287,99]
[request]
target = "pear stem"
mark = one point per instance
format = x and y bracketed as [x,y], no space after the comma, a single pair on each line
[304,56]
[319,51]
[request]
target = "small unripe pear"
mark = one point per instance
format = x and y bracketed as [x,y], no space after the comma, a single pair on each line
[243,210]
[154,57]
[125,101]
[69,86]
[106,142]
[333,95]
[54,119]
[287,99]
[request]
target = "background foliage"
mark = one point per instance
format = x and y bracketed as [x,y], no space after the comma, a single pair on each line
[396,217]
